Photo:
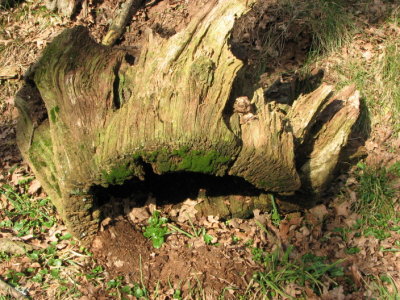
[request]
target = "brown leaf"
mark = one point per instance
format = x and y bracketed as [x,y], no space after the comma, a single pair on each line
[334,294]
[97,243]
[9,72]
[319,211]
[342,209]
[138,214]
[284,230]
[17,176]
[34,187]
[187,211]
[119,263]
[355,273]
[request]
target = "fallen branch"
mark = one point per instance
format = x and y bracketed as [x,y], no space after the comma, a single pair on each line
[9,290]
[14,247]
[121,20]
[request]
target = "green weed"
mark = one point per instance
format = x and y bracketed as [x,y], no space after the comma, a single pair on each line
[275,216]
[118,287]
[343,232]
[156,230]
[196,232]
[352,250]
[28,215]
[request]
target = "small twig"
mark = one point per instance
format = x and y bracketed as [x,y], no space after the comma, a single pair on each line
[9,290]
[151,3]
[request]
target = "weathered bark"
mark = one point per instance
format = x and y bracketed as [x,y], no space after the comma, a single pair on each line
[171,110]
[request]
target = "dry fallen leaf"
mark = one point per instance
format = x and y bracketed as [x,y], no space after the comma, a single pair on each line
[97,243]
[342,209]
[187,211]
[8,72]
[17,176]
[119,263]
[355,273]
[319,211]
[138,214]
[334,294]
[34,187]
[284,230]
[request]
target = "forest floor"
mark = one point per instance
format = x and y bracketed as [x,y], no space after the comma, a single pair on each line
[344,246]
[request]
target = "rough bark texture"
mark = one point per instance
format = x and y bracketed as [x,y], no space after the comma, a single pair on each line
[172,110]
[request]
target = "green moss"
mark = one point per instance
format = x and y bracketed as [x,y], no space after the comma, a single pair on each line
[54,113]
[118,174]
[262,183]
[207,162]
[202,70]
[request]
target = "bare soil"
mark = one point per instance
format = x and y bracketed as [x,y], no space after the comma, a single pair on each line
[182,261]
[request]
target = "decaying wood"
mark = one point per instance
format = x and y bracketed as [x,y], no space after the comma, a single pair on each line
[117,27]
[306,109]
[14,247]
[340,114]
[8,290]
[109,120]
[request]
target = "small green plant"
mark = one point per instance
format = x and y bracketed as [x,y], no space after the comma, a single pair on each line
[118,287]
[343,232]
[195,233]
[4,256]
[96,272]
[207,238]
[177,294]
[27,215]
[13,277]
[157,229]
[352,250]
[275,216]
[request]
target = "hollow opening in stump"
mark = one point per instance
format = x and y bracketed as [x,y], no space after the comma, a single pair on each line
[170,190]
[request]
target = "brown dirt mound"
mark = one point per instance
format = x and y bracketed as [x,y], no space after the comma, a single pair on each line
[182,262]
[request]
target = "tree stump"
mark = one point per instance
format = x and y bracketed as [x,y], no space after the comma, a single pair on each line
[96,115]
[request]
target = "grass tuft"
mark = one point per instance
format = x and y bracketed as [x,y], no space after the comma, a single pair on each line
[331,26]
[375,194]
[280,270]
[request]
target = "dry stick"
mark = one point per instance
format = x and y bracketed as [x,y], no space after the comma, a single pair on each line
[121,20]
[9,290]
